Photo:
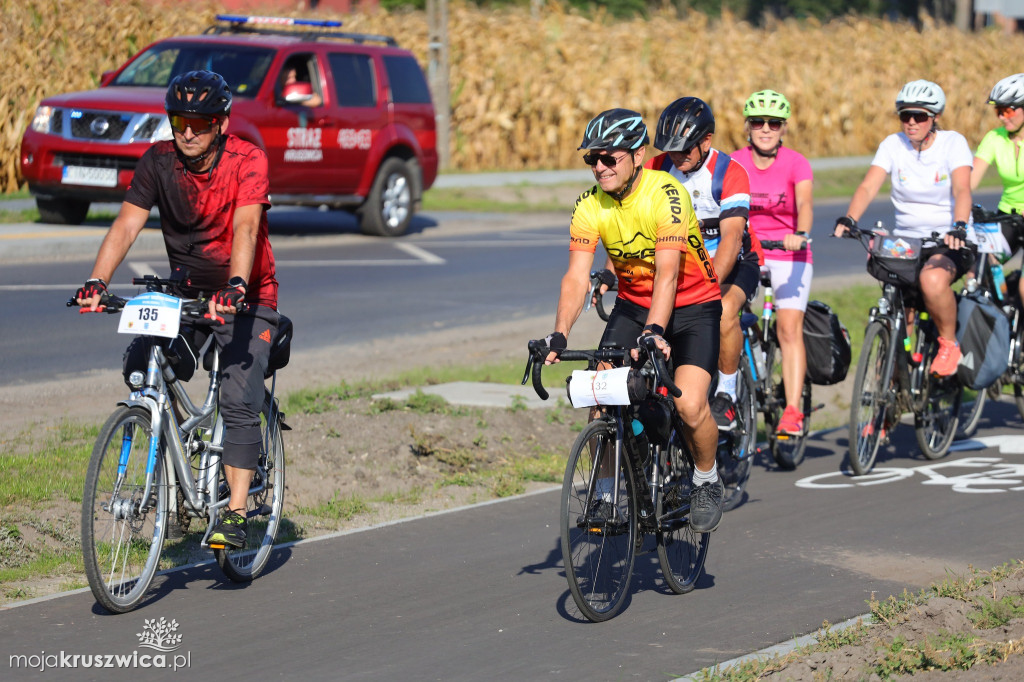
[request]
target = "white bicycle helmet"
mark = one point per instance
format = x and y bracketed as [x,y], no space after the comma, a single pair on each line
[921,95]
[1008,92]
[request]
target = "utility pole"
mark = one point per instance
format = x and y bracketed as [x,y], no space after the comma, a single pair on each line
[437,29]
[962,15]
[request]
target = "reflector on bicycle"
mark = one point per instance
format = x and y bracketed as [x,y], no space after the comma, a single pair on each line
[604,387]
[152,314]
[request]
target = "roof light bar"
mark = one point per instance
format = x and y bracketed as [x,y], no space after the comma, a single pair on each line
[276,21]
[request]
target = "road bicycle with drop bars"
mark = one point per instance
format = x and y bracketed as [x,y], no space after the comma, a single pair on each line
[627,479]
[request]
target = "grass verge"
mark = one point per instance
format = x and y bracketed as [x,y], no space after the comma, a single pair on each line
[894,647]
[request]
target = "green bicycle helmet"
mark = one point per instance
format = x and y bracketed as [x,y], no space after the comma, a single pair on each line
[767,103]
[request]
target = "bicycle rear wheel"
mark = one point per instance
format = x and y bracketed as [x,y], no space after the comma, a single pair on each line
[870,401]
[736,448]
[970,412]
[122,527]
[787,451]
[598,545]
[681,550]
[262,508]
[936,424]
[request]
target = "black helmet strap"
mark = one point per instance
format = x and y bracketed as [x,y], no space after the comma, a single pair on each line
[621,194]
[216,148]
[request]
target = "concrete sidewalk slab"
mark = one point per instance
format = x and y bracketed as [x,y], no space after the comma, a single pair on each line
[478,394]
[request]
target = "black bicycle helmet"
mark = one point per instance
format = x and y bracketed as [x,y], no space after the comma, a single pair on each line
[204,93]
[615,129]
[683,124]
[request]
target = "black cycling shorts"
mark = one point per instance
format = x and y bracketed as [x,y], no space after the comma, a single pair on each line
[746,274]
[693,331]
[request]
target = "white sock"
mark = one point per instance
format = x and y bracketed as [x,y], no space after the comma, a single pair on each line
[603,488]
[702,477]
[727,384]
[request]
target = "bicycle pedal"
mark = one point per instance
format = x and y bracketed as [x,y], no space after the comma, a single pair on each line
[264,510]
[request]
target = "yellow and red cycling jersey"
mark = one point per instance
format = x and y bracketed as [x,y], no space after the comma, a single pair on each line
[658,214]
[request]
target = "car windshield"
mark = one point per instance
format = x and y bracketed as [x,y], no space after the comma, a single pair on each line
[244,68]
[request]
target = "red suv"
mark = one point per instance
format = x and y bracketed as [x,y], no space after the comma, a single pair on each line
[346,120]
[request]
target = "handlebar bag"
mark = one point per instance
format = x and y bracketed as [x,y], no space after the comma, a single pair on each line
[828,345]
[983,332]
[894,259]
[619,386]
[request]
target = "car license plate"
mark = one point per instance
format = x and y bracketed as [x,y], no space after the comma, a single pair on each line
[94,177]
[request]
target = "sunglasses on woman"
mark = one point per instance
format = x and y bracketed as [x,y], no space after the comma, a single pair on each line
[774,124]
[917,116]
[1004,111]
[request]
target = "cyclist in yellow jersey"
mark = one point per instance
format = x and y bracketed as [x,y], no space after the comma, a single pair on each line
[667,284]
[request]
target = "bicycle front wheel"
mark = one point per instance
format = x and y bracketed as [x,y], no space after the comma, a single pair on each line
[598,536]
[936,424]
[263,507]
[122,526]
[681,550]
[870,400]
[787,450]
[736,448]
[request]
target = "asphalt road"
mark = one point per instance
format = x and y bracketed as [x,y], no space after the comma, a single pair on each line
[481,594]
[452,270]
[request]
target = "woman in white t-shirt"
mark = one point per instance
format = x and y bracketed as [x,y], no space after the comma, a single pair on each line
[930,171]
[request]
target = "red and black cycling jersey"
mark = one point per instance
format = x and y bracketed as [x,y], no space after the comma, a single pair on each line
[197,213]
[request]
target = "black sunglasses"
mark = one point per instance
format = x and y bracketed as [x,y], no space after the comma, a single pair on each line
[918,116]
[609,161]
[774,124]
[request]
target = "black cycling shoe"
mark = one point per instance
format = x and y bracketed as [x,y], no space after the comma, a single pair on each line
[723,409]
[230,531]
[706,507]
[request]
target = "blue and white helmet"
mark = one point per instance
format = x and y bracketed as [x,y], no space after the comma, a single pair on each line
[921,95]
[615,129]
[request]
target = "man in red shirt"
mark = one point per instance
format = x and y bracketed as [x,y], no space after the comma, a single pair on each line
[212,192]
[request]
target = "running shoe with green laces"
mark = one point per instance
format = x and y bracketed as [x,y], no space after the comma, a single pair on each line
[229,531]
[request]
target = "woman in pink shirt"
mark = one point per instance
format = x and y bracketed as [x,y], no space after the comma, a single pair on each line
[781,209]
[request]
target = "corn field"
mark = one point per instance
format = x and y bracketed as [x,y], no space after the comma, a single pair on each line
[523,86]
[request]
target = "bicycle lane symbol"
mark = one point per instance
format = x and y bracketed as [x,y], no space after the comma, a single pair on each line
[984,475]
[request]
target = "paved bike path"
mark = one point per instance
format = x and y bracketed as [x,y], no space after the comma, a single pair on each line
[480,593]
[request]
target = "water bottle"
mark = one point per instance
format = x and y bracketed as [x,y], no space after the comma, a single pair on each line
[998,281]
[642,443]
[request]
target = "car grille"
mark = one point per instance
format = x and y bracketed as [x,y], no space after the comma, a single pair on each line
[98,126]
[105,126]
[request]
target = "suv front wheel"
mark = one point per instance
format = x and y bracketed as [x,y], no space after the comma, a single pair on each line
[62,211]
[388,208]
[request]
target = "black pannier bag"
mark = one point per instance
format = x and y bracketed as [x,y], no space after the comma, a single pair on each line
[983,332]
[827,343]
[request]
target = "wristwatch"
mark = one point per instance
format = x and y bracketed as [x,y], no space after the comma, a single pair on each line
[238,283]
